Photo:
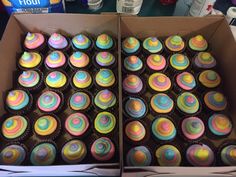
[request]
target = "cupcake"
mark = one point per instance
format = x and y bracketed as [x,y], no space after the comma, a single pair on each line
[56,80]
[152,45]
[204,60]
[56,60]
[200,155]
[81,80]
[135,107]
[175,43]
[168,155]
[156,62]
[161,103]
[179,62]
[15,128]
[105,78]
[74,152]
[58,42]
[209,79]
[132,84]
[82,42]
[43,154]
[133,64]
[159,82]
[185,81]
[215,101]
[105,59]
[228,154]
[104,42]
[135,131]
[163,129]
[197,44]
[80,101]
[79,60]
[30,60]
[13,154]
[105,99]
[139,156]
[131,46]
[104,122]
[35,42]
[103,149]
[77,124]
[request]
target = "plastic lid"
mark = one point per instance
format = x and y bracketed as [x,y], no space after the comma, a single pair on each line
[231,12]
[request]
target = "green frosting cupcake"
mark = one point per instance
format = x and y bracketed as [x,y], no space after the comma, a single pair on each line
[188,103]
[105,122]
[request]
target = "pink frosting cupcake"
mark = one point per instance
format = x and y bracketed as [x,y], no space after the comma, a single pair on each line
[58,42]
[156,62]
[55,60]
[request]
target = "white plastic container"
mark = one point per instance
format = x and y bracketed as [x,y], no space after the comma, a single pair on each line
[231,15]
[129,6]
[201,8]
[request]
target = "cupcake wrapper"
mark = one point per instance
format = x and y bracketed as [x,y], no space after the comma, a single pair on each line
[63,68]
[67,49]
[112,49]
[88,50]
[38,67]
[114,65]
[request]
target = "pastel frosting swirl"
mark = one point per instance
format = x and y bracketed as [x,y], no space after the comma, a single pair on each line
[198,43]
[156,62]
[45,125]
[163,129]
[135,107]
[179,61]
[210,78]
[200,155]
[105,78]
[186,81]
[132,84]
[79,59]
[175,43]
[188,103]
[12,155]
[55,59]
[139,156]
[159,82]
[56,79]
[215,101]
[162,103]
[74,151]
[205,60]
[33,40]
[104,42]
[105,99]
[14,127]
[43,154]
[220,124]
[77,124]
[81,41]
[29,78]
[17,99]
[105,122]
[152,44]
[135,131]
[103,149]
[133,63]
[168,155]
[49,101]
[192,128]
[57,41]
[82,79]
[228,155]
[79,101]
[105,59]
[30,60]
[130,45]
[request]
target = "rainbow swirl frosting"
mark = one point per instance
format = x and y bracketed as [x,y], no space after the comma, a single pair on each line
[152,44]
[17,99]
[55,59]
[57,41]
[188,103]
[103,149]
[198,43]
[156,62]
[105,59]
[105,99]
[74,151]
[200,155]
[30,60]
[139,156]
[104,42]
[192,128]
[12,155]
[14,127]
[159,82]
[220,124]
[81,41]
[135,131]
[186,81]
[163,129]
[56,79]
[29,78]
[130,45]
[82,79]
[175,43]
[179,61]
[43,154]
[205,60]
[133,63]
[228,155]
[79,101]
[77,124]
[79,59]
[49,101]
[105,78]
[33,40]
[215,101]
[45,125]
[162,103]
[168,155]
[105,122]
[210,78]
[135,107]
[132,84]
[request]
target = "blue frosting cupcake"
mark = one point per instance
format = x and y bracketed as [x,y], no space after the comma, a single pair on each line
[162,103]
[135,107]
[133,63]
[152,45]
